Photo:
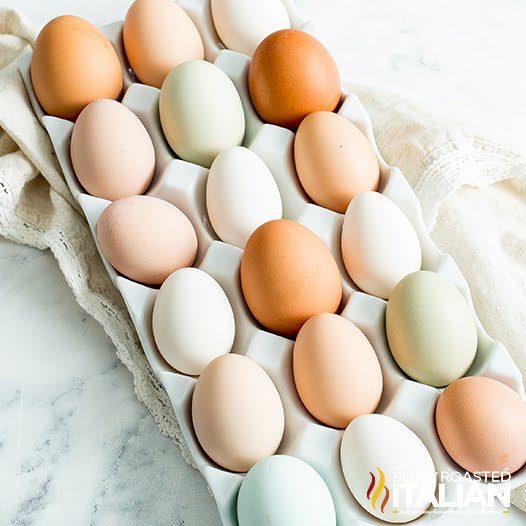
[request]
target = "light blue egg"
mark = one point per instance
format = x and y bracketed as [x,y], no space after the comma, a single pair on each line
[284,491]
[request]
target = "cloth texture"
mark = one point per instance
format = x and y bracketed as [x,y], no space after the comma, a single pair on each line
[472,192]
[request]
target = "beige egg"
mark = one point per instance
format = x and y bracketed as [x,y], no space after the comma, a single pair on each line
[482,425]
[336,371]
[146,239]
[237,412]
[334,160]
[158,35]
[111,151]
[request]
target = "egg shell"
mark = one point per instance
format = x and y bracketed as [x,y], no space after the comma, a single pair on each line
[377,453]
[379,244]
[73,64]
[111,151]
[287,276]
[283,491]
[146,239]
[481,423]
[430,329]
[291,75]
[336,371]
[201,112]
[241,195]
[158,35]
[192,320]
[237,413]
[334,160]
[243,24]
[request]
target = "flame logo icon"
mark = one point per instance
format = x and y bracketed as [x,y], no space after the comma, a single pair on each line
[378,490]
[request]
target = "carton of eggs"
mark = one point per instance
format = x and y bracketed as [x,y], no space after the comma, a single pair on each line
[271,410]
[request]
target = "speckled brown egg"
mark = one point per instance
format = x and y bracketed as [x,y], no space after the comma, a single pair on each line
[481,423]
[334,160]
[73,64]
[291,75]
[146,239]
[288,275]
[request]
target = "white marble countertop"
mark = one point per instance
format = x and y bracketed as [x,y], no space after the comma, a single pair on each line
[76,447]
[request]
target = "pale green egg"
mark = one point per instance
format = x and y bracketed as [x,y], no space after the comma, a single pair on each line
[431,329]
[200,111]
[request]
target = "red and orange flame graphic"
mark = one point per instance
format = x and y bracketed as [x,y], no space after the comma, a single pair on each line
[378,490]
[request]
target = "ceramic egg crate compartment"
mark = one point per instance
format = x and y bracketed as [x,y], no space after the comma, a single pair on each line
[183,184]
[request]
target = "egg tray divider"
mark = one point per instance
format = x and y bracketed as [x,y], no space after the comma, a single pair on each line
[183,184]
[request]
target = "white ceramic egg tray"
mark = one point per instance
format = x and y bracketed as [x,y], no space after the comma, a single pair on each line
[183,184]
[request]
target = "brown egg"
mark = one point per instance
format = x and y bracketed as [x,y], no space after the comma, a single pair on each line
[334,160]
[237,412]
[146,239]
[482,425]
[73,64]
[288,275]
[158,35]
[292,75]
[336,371]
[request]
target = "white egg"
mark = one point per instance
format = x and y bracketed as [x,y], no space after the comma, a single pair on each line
[387,468]
[200,111]
[284,491]
[379,244]
[192,320]
[243,24]
[241,195]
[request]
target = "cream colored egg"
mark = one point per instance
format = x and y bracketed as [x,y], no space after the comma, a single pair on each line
[237,412]
[243,24]
[192,320]
[201,112]
[241,195]
[379,244]
[387,468]
[111,152]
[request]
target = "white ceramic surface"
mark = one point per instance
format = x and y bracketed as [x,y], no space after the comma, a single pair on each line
[183,184]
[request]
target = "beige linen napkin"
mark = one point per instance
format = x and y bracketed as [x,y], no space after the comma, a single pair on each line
[472,193]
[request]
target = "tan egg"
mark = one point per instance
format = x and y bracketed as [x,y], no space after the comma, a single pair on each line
[482,425]
[291,75]
[111,151]
[73,64]
[336,371]
[146,239]
[288,275]
[334,160]
[158,35]
[237,412]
